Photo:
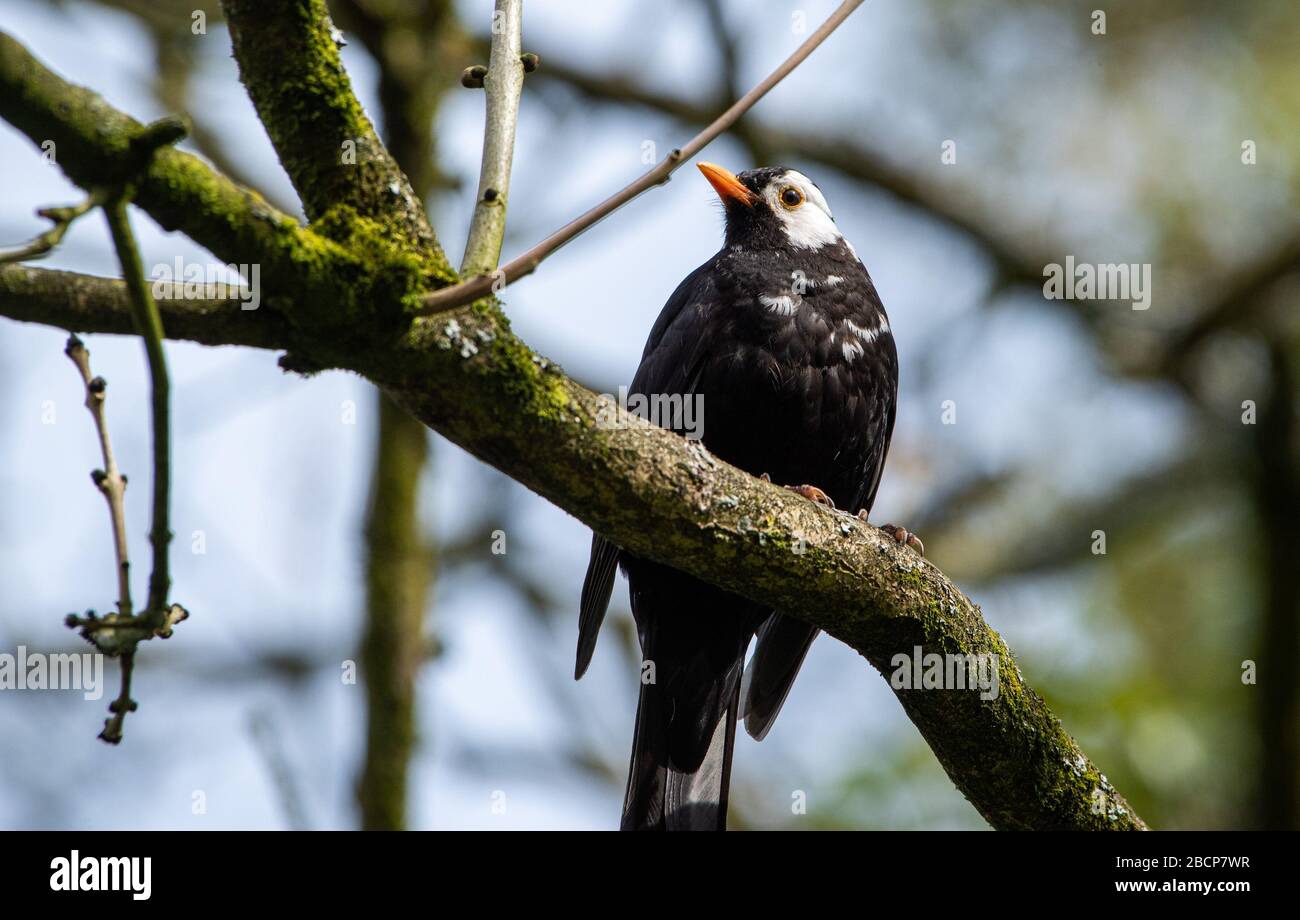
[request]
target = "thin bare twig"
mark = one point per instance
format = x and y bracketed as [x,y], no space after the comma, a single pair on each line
[112,732]
[148,323]
[110,481]
[503,84]
[62,219]
[119,634]
[467,291]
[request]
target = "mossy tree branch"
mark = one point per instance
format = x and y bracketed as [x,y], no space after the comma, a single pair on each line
[344,273]
[468,377]
[288,59]
[85,303]
[92,144]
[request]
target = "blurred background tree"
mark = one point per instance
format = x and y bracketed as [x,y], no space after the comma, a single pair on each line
[1162,133]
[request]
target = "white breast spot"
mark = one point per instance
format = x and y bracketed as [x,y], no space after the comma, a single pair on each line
[867,335]
[851,349]
[781,305]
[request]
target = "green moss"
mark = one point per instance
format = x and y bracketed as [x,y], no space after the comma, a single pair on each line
[289,61]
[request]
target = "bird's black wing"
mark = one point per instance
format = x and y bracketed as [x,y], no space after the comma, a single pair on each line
[678,344]
[659,372]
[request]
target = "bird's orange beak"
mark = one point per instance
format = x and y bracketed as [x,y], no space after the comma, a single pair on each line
[728,187]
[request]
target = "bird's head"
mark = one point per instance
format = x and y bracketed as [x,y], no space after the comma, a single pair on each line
[772,208]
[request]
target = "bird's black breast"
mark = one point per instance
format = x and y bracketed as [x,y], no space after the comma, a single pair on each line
[791,354]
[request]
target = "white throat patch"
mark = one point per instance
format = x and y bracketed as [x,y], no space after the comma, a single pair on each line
[809,226]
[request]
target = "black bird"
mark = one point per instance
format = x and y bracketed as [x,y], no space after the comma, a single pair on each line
[782,338]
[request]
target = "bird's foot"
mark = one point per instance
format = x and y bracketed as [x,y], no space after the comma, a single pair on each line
[813,494]
[901,535]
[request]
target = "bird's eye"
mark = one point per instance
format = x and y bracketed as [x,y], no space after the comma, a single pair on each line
[791,197]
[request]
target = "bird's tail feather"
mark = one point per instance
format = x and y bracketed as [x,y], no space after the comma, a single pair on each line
[665,795]
[782,645]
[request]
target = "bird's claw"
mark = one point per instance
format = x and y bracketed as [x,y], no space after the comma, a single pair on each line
[813,494]
[904,537]
[900,535]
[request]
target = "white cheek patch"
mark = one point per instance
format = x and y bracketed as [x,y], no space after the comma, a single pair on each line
[809,226]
